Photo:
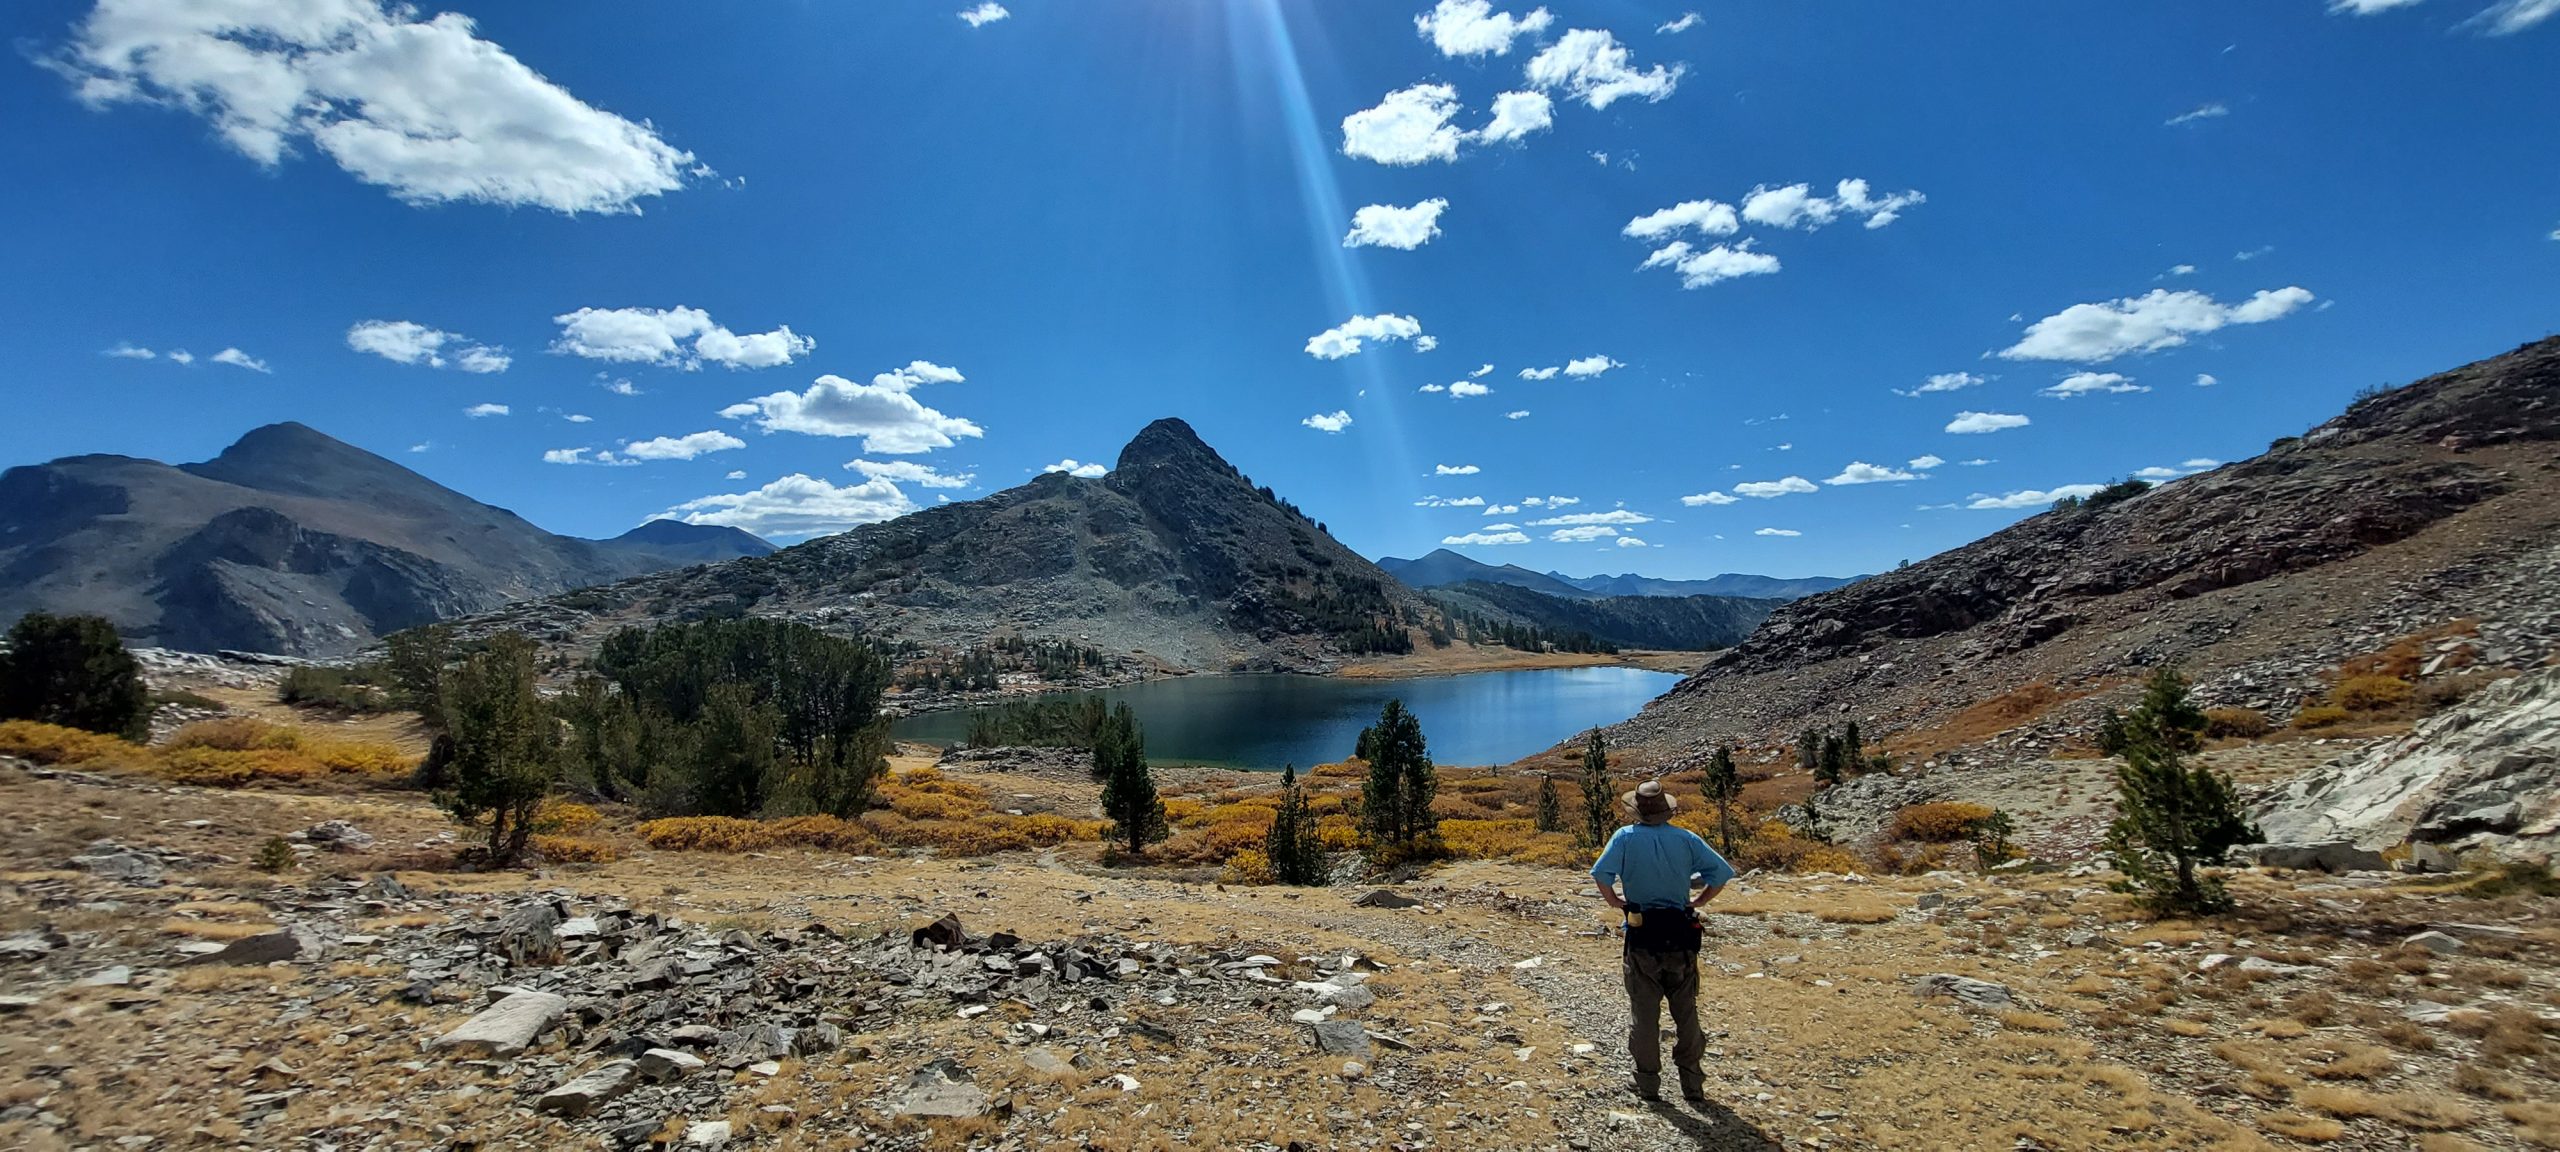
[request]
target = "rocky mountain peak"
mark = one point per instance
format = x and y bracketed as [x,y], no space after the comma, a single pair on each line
[1171,444]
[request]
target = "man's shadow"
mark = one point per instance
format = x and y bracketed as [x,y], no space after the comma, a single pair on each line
[1714,1127]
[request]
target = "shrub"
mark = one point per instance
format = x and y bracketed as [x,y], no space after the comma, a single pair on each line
[1185,812]
[1938,823]
[565,817]
[2370,693]
[574,849]
[73,671]
[236,734]
[55,744]
[2175,819]
[1825,858]
[338,688]
[829,833]
[1338,832]
[274,856]
[705,834]
[1247,867]
[2320,716]
[2235,723]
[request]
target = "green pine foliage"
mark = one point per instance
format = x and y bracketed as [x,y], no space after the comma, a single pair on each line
[504,752]
[1808,750]
[2176,819]
[1128,788]
[1395,801]
[1065,721]
[1550,808]
[1599,817]
[1991,846]
[1724,786]
[73,671]
[1294,847]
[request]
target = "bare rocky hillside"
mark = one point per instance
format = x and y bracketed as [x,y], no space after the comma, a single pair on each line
[2431,506]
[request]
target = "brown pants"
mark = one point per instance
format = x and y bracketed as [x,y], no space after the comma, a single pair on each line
[1653,977]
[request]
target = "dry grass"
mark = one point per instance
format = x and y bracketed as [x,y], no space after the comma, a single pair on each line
[2419,1111]
[2295,1126]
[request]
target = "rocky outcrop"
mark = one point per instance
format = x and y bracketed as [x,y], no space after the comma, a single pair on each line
[2485,773]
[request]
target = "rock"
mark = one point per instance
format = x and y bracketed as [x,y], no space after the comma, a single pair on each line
[108,860]
[943,933]
[1929,900]
[707,1134]
[338,836]
[118,976]
[384,887]
[591,1088]
[2488,766]
[2504,932]
[2266,967]
[1354,1070]
[2440,943]
[942,1088]
[2322,856]
[696,1036]
[1383,898]
[289,944]
[15,1002]
[2425,857]
[528,935]
[1966,989]
[817,1038]
[504,1028]
[30,945]
[667,1065]
[1341,1037]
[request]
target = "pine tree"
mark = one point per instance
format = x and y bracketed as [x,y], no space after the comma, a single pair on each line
[1853,749]
[1833,763]
[1128,786]
[1812,828]
[73,671]
[1723,785]
[1808,750]
[1597,802]
[505,744]
[1395,802]
[2175,818]
[1550,809]
[1294,847]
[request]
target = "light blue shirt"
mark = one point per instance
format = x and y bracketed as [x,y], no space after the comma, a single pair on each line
[1655,862]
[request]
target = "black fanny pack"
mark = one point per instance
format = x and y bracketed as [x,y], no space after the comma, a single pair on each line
[1665,930]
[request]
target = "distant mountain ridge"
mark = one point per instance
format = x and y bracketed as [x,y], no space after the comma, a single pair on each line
[1172,558]
[290,542]
[1442,567]
[1678,623]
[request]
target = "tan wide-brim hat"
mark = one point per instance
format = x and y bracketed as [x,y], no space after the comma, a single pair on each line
[1649,803]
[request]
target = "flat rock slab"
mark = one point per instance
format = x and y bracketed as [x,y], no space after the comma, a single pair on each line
[942,1088]
[269,948]
[504,1028]
[1342,1037]
[590,1089]
[664,1065]
[1966,989]
[1382,898]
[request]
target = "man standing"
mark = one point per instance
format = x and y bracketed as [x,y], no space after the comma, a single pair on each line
[1658,862]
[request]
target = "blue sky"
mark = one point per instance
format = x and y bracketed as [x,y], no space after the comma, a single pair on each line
[753,244]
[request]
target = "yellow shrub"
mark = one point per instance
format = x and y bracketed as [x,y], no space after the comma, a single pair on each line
[1261,811]
[566,817]
[1487,839]
[55,744]
[2235,723]
[1938,823]
[2370,693]
[357,758]
[1247,867]
[221,768]
[1045,830]
[1325,803]
[934,806]
[1825,858]
[1338,833]
[1775,845]
[1183,812]
[705,834]
[932,781]
[2320,716]
[574,849]
[236,734]
[824,832]
[1346,770]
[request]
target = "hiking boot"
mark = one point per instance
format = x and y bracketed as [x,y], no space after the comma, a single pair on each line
[1693,1091]
[1649,1085]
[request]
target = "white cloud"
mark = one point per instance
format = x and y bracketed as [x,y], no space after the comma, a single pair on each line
[736,474]
[1503,527]
[1334,421]
[1538,373]
[1687,21]
[1516,115]
[1473,28]
[1481,373]
[2254,253]
[577,418]
[1861,472]
[409,342]
[2206,380]
[1590,366]
[1772,489]
[1425,343]
[2367,7]
[1977,462]
[126,351]
[2033,498]
[617,386]
[1410,126]
[424,108]
[910,472]
[2508,17]
[1455,470]
[1591,66]
[580,456]
[984,14]
[1712,266]
[1632,542]
[2092,333]
[1502,510]
[1946,382]
[2200,464]
[1708,217]
[181,356]
[888,418]
[1968,422]
[1582,535]
[1348,337]
[1551,501]
[681,447]
[2155,472]
[1443,502]
[659,336]
[1387,226]
[1925,463]
[420,446]
[1487,538]
[1516,414]
[798,505]
[1466,388]
[237,359]
[1079,471]
[1777,532]
[1704,498]
[2182,270]
[1433,388]
[2084,383]
[2205,112]
[1612,516]
[477,411]
[1795,205]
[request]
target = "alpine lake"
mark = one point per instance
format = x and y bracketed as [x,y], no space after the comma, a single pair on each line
[1264,720]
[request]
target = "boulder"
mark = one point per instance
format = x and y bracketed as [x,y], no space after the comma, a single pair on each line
[2440,943]
[942,1088]
[1385,898]
[504,1028]
[666,1065]
[1965,989]
[338,836]
[528,935]
[2488,767]
[288,944]
[591,1088]
[1341,1037]
[2323,856]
